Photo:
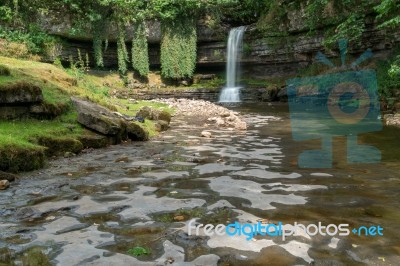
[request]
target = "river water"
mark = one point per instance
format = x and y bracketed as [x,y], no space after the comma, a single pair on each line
[91,209]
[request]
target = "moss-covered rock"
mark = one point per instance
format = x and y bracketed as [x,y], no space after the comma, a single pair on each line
[161,125]
[59,146]
[99,119]
[16,159]
[137,132]
[47,110]
[94,141]
[6,256]
[20,92]
[35,257]
[7,176]
[154,114]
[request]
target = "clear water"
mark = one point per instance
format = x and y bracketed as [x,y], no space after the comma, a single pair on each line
[109,204]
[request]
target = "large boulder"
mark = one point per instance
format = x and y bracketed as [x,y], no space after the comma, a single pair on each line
[100,119]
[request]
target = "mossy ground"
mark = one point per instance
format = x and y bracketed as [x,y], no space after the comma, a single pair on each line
[33,139]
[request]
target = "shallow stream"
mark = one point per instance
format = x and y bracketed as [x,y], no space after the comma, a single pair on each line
[93,208]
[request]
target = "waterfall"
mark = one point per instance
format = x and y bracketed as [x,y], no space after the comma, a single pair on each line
[231,92]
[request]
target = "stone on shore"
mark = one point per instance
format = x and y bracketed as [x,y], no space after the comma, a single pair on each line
[208,111]
[161,125]
[4,184]
[7,176]
[20,93]
[154,114]
[99,119]
[137,132]
[206,134]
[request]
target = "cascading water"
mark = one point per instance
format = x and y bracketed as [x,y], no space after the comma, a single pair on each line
[231,92]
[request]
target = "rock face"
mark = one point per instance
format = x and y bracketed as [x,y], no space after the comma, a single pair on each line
[20,93]
[265,56]
[100,119]
[22,100]
[17,98]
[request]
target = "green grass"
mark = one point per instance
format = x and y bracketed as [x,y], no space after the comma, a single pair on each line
[20,140]
[25,132]
[8,79]
[128,108]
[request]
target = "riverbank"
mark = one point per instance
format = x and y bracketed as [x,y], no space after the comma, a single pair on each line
[39,119]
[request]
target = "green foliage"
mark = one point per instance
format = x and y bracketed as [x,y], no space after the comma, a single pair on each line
[139,251]
[388,73]
[99,23]
[178,48]
[98,51]
[394,70]
[35,39]
[272,18]
[351,29]
[6,14]
[247,49]
[315,13]
[389,13]
[140,51]
[171,10]
[122,51]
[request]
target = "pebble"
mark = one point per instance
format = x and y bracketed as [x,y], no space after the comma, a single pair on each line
[206,134]
[4,184]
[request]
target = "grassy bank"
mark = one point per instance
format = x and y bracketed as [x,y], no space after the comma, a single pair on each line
[25,144]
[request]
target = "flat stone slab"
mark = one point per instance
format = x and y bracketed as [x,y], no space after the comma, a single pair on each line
[98,118]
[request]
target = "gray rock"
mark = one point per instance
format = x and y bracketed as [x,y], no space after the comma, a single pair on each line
[99,119]
[206,134]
